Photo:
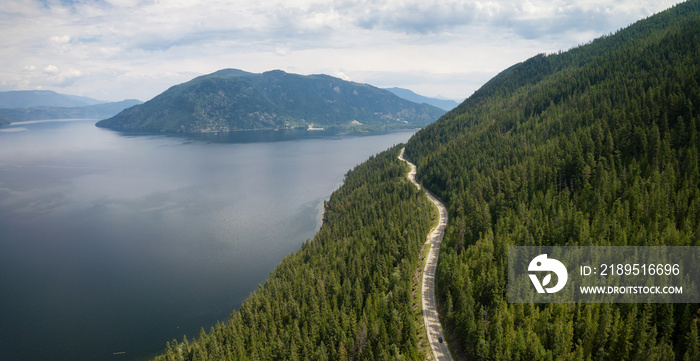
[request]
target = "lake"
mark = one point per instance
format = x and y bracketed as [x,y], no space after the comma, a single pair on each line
[113,244]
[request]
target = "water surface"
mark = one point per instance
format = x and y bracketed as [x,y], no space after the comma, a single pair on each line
[118,243]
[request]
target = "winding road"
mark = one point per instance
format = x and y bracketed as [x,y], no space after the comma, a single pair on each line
[430,314]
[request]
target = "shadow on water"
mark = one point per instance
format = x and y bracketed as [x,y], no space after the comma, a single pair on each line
[268,136]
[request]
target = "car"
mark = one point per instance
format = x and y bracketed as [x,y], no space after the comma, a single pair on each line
[440,339]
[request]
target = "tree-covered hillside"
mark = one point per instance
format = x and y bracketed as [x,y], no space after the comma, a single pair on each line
[345,295]
[232,99]
[598,145]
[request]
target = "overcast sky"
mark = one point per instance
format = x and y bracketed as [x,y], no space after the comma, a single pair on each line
[118,49]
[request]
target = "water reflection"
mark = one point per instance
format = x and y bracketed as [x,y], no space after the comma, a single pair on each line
[114,243]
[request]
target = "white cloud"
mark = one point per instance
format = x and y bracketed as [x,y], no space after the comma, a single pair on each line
[51,69]
[60,39]
[282,50]
[96,48]
[55,77]
[342,75]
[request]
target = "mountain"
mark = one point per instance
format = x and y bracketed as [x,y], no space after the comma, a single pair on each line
[232,99]
[445,104]
[595,146]
[96,111]
[598,145]
[42,98]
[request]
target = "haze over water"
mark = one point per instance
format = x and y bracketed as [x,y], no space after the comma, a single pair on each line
[120,243]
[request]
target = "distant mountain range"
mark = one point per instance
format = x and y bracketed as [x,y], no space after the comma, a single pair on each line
[23,105]
[85,112]
[43,98]
[232,99]
[445,104]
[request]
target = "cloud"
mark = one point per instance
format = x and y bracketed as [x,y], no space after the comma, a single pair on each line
[51,69]
[282,50]
[419,16]
[342,75]
[60,39]
[527,19]
[60,78]
[88,47]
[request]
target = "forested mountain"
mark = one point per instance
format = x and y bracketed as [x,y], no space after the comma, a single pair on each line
[345,295]
[232,99]
[598,145]
[43,98]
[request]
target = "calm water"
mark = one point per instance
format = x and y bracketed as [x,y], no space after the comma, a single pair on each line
[117,243]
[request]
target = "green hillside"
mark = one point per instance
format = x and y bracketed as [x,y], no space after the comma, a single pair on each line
[232,99]
[598,145]
[345,295]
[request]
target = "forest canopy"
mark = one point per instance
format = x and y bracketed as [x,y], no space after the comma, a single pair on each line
[347,293]
[598,145]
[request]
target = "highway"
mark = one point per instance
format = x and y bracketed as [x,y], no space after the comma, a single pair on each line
[430,314]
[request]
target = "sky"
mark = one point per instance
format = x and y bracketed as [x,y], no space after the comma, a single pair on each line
[135,49]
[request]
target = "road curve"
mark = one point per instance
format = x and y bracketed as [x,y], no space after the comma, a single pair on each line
[430,315]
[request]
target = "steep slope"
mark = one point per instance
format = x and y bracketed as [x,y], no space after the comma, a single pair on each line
[598,145]
[346,294]
[236,100]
